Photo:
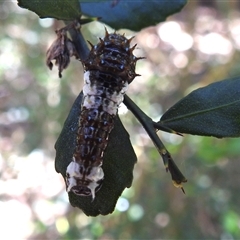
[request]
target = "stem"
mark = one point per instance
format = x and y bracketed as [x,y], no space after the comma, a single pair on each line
[148,125]
[160,126]
[79,42]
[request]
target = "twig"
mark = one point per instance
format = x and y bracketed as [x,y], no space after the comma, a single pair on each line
[148,124]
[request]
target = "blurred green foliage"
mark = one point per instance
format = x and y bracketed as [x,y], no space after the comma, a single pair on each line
[34,104]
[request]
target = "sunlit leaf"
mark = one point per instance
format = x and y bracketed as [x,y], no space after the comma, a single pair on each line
[118,164]
[134,15]
[213,110]
[59,9]
[230,222]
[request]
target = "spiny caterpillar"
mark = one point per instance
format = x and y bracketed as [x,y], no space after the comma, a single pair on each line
[109,68]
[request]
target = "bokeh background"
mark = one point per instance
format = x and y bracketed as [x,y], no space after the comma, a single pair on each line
[191,49]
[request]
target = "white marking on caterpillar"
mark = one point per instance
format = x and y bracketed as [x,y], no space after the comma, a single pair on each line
[92,98]
[74,175]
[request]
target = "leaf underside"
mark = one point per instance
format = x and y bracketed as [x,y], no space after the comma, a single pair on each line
[134,15]
[213,110]
[118,164]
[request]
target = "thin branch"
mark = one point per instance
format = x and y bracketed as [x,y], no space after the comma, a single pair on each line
[177,177]
[79,42]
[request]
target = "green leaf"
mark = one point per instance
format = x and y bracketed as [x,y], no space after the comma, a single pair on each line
[134,14]
[213,110]
[60,9]
[118,164]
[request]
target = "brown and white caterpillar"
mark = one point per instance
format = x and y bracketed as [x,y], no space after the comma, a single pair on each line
[109,68]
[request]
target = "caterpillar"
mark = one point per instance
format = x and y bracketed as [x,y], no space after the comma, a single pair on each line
[108,70]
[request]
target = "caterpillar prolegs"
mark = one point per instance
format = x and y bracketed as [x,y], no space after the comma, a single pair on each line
[109,68]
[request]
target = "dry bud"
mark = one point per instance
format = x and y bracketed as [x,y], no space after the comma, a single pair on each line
[61,50]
